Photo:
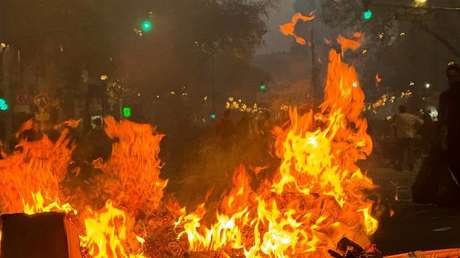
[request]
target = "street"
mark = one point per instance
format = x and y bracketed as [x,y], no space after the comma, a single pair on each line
[413,227]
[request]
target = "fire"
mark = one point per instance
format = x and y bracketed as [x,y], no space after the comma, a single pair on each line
[131,177]
[288,29]
[107,234]
[350,44]
[314,198]
[39,206]
[36,166]
[32,181]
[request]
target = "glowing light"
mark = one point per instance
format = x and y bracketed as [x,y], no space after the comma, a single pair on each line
[433,113]
[213,116]
[146,25]
[427,85]
[104,77]
[263,87]
[127,112]
[378,78]
[368,14]
[4,105]
[420,2]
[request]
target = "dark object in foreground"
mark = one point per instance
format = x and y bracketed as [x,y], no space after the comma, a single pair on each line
[435,183]
[350,249]
[45,235]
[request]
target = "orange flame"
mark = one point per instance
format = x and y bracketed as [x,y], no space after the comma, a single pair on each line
[315,197]
[350,44]
[288,29]
[36,166]
[107,234]
[132,175]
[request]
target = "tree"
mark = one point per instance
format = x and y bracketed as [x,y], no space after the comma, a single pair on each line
[188,38]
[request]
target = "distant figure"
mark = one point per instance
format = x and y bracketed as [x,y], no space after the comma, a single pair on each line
[406,127]
[449,118]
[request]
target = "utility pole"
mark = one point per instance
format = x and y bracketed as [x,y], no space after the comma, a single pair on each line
[316,94]
[315,68]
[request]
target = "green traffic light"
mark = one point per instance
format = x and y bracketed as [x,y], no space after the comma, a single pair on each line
[263,87]
[127,112]
[213,116]
[146,25]
[4,105]
[368,14]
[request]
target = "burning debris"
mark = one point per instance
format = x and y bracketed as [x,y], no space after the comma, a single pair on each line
[34,182]
[314,198]
[288,29]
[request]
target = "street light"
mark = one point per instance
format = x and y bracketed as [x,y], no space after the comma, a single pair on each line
[420,2]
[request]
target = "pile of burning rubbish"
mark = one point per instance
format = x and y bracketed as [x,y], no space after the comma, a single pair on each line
[117,207]
[310,202]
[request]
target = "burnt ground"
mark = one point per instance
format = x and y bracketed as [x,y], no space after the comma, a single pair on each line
[413,226]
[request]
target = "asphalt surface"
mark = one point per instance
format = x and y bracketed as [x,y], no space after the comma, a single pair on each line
[412,227]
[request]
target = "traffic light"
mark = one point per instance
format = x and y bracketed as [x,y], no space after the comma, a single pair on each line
[263,87]
[4,105]
[213,116]
[368,14]
[146,25]
[127,112]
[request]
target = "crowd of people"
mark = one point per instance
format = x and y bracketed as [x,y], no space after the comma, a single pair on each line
[438,179]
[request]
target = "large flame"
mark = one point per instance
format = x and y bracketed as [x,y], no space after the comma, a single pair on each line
[107,234]
[32,179]
[132,175]
[35,166]
[315,198]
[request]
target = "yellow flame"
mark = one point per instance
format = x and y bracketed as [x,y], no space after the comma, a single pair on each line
[39,206]
[315,197]
[107,233]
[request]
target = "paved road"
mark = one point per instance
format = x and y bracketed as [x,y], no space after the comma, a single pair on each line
[412,227]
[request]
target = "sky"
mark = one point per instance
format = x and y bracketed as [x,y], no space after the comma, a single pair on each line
[274,41]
